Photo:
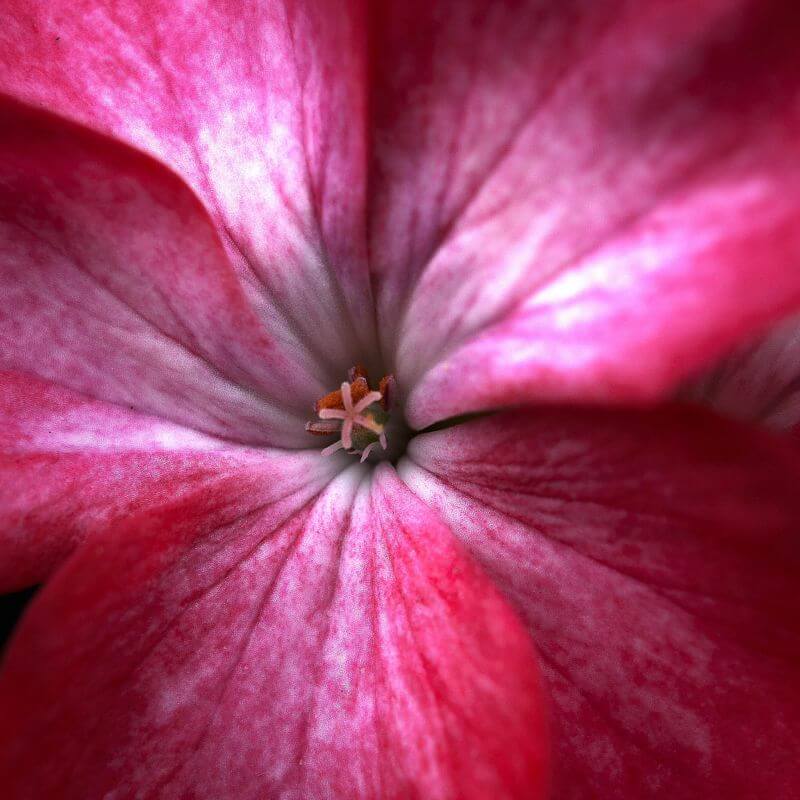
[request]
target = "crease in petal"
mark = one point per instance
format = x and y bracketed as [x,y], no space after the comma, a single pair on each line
[260,110]
[116,285]
[757,382]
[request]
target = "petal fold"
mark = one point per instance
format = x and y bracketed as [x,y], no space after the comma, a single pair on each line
[116,285]
[654,556]
[341,647]
[259,107]
[758,382]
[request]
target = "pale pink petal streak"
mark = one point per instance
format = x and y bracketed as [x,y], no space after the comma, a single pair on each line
[581,200]
[259,107]
[70,466]
[341,648]
[115,284]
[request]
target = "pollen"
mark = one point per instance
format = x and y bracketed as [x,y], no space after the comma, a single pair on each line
[356,412]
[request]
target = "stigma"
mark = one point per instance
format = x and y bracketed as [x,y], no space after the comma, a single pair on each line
[357,413]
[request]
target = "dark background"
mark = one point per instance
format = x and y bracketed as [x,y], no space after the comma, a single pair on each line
[11,608]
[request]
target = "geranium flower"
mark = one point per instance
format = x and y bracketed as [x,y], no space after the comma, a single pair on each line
[216,215]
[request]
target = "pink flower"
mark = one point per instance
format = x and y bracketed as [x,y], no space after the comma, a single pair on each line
[554,210]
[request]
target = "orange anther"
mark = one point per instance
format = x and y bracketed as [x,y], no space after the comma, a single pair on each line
[359,389]
[330,400]
[359,371]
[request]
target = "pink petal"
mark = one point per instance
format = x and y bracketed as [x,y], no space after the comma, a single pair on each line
[580,200]
[654,557]
[258,106]
[759,381]
[70,466]
[115,284]
[248,646]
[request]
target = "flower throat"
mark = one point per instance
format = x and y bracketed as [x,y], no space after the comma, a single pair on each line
[358,413]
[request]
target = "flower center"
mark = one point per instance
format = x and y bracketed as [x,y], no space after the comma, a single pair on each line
[360,415]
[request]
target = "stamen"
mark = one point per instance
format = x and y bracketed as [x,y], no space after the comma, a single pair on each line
[356,372]
[367,451]
[387,388]
[356,412]
[332,448]
[323,428]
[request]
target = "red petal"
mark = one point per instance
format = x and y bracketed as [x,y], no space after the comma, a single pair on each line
[581,200]
[237,648]
[115,284]
[655,559]
[258,106]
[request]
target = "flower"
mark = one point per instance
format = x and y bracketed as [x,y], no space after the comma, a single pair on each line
[556,212]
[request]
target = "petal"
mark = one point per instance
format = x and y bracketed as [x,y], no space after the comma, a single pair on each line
[759,381]
[70,466]
[581,200]
[115,284]
[258,106]
[342,648]
[654,557]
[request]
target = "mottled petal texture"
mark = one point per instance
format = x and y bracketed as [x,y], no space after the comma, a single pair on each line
[583,201]
[248,643]
[258,106]
[209,211]
[116,285]
[70,466]
[580,200]
[655,559]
